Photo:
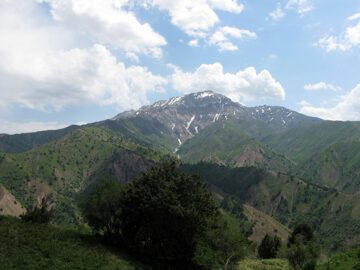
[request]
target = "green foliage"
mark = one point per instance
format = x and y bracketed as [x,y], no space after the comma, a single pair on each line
[270,264]
[222,245]
[302,252]
[158,216]
[29,246]
[342,261]
[102,208]
[269,247]
[40,214]
[301,233]
[234,206]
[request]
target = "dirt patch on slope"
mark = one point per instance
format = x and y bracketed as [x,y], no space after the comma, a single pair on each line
[9,206]
[264,224]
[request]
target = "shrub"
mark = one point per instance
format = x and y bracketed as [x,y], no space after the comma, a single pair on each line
[302,252]
[41,214]
[222,245]
[158,216]
[269,247]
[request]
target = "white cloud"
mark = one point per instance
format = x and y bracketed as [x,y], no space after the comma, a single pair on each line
[41,69]
[108,23]
[344,42]
[243,86]
[347,107]
[53,80]
[354,17]
[193,43]
[196,17]
[24,127]
[278,13]
[221,37]
[301,6]
[321,86]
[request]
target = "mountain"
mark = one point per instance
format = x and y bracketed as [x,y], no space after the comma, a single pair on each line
[226,143]
[292,167]
[184,117]
[67,167]
[301,143]
[337,166]
[23,142]
[291,200]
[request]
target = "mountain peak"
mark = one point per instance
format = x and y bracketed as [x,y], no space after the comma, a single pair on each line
[185,116]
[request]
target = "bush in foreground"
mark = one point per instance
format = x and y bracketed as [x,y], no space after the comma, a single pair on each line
[164,216]
[302,252]
[269,247]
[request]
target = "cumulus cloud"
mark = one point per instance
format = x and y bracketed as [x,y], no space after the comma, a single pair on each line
[221,38]
[108,23]
[347,107]
[55,79]
[321,86]
[196,17]
[199,20]
[345,41]
[41,69]
[243,86]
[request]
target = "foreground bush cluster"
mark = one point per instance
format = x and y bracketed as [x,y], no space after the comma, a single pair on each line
[166,217]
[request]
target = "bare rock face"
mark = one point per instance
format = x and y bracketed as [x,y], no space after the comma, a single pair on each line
[9,206]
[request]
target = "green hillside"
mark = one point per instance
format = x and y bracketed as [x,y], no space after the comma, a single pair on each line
[337,166]
[66,167]
[301,143]
[226,143]
[24,142]
[32,246]
[291,200]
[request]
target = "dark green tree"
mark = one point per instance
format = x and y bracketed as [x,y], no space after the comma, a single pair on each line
[158,216]
[302,252]
[269,247]
[301,230]
[222,245]
[163,212]
[102,209]
[41,213]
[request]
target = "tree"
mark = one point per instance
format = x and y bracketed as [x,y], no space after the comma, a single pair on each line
[222,245]
[269,247]
[158,216]
[302,252]
[41,214]
[301,230]
[102,210]
[163,213]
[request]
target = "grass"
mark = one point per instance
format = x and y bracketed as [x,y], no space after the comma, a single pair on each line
[29,246]
[273,264]
[342,261]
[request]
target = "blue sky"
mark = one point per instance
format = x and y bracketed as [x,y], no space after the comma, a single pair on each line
[80,61]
